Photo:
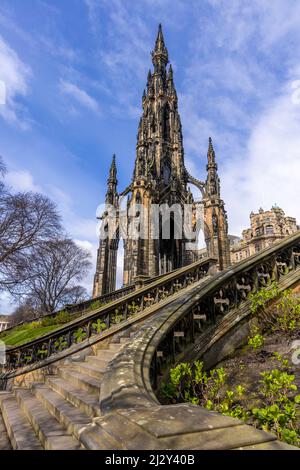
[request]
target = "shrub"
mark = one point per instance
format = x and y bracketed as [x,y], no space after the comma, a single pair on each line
[256,340]
[282,316]
[31,326]
[60,319]
[287,317]
[48,321]
[95,305]
[279,411]
[262,297]
[190,383]
[277,414]
[63,317]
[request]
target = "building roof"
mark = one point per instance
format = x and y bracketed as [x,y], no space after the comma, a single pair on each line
[4,318]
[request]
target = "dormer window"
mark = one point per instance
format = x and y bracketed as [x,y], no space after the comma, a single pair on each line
[269,230]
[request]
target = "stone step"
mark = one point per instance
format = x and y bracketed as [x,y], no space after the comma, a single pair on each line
[94,437]
[83,381]
[106,354]
[97,361]
[124,340]
[115,347]
[20,432]
[88,369]
[51,433]
[4,439]
[87,403]
[71,417]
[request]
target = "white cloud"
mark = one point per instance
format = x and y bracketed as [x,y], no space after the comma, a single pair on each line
[87,282]
[21,180]
[7,306]
[15,75]
[79,95]
[267,173]
[120,265]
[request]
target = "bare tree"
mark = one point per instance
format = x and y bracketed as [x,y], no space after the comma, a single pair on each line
[52,272]
[2,174]
[27,220]
[26,311]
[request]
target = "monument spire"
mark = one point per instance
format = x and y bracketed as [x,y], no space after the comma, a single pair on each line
[160,57]
[112,182]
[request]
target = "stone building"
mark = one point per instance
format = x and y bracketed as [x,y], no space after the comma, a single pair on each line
[160,178]
[4,322]
[266,228]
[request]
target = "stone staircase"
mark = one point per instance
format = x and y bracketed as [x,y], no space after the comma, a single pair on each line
[52,415]
[107,400]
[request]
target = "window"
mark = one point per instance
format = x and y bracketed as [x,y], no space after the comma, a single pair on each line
[257,247]
[269,229]
[166,174]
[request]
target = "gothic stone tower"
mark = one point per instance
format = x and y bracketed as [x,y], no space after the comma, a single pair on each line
[105,276]
[159,178]
[215,216]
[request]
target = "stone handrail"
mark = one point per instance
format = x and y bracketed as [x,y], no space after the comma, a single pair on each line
[105,317]
[135,375]
[131,413]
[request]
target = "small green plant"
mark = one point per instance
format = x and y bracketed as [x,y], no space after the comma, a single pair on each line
[99,325]
[48,321]
[63,317]
[95,305]
[79,335]
[30,326]
[279,407]
[133,309]
[284,363]
[61,343]
[117,317]
[262,297]
[27,358]
[280,410]
[191,383]
[256,340]
[276,385]
[287,312]
[60,319]
[42,353]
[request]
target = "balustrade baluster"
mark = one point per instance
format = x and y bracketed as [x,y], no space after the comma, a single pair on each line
[50,347]
[89,330]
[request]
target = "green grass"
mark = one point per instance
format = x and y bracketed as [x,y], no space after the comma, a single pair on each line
[20,335]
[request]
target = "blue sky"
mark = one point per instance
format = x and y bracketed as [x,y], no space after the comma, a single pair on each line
[75,71]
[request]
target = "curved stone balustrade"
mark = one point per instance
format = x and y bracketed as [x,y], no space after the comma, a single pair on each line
[127,396]
[104,318]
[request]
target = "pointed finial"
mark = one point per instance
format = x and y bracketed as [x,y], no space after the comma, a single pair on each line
[160,53]
[170,73]
[113,163]
[113,170]
[160,43]
[211,152]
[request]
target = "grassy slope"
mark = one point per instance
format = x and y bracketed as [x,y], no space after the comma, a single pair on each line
[20,336]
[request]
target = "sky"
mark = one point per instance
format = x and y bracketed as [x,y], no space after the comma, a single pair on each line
[74,73]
